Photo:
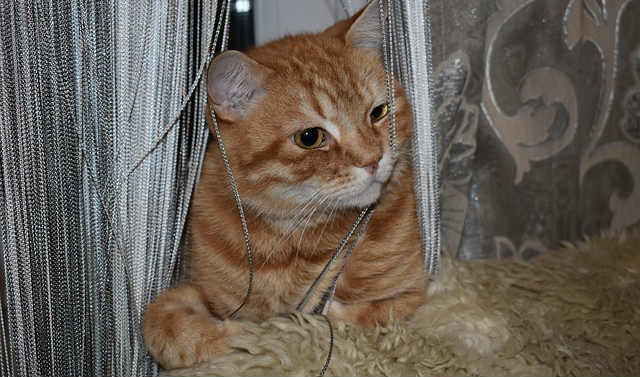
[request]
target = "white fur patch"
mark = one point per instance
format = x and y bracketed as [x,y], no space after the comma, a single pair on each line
[385,168]
[332,129]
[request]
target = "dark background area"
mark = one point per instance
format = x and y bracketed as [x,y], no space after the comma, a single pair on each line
[242,34]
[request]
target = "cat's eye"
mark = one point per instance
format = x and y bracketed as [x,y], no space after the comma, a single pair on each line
[311,138]
[379,112]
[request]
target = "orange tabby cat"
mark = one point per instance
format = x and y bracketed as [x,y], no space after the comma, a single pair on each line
[305,124]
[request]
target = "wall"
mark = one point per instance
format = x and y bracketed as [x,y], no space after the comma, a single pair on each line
[276,18]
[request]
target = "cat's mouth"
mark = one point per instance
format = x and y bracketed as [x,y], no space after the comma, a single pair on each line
[367,189]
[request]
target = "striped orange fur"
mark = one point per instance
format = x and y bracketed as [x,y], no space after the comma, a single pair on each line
[299,203]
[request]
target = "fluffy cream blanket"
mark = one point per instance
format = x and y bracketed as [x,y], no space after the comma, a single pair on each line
[574,311]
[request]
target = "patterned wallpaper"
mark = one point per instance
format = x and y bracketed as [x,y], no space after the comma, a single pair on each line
[538,103]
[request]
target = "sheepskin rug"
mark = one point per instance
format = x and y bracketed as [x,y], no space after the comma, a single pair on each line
[574,311]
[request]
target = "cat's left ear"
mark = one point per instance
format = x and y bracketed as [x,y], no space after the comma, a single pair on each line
[366,31]
[234,84]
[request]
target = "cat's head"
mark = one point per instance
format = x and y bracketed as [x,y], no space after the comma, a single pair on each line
[306,119]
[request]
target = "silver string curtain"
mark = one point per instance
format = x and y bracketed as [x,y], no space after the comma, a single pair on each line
[101,140]
[409,37]
[101,137]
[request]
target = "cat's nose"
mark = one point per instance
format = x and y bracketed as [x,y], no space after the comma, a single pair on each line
[371,167]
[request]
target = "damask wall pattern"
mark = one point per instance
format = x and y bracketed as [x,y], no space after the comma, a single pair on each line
[538,106]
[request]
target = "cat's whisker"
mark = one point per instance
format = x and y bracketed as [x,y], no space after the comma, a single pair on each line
[309,208]
[307,213]
[333,206]
[328,191]
[299,211]
[306,225]
[300,207]
[262,211]
[332,201]
[304,228]
[303,214]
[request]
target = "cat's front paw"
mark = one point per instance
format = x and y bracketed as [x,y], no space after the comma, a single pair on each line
[183,342]
[180,331]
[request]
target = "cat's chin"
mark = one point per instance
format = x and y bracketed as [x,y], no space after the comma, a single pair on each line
[365,198]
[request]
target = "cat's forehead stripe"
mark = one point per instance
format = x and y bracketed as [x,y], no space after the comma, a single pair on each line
[316,105]
[327,104]
[339,81]
[331,101]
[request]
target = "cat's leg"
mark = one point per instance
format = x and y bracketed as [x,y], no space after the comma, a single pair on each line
[370,313]
[180,331]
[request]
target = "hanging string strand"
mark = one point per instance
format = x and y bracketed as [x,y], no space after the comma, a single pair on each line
[330,352]
[307,297]
[238,200]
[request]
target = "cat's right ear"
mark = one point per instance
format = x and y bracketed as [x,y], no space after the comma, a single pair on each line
[366,30]
[234,84]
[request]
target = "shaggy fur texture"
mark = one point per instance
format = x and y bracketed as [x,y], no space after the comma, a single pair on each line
[575,311]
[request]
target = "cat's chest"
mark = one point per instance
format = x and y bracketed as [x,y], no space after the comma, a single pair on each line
[279,288]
